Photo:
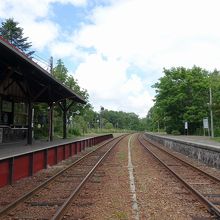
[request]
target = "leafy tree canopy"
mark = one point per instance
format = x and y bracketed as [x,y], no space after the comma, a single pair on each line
[61,73]
[182,95]
[10,31]
[123,120]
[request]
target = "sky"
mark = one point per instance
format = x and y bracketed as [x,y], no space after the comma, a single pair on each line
[117,49]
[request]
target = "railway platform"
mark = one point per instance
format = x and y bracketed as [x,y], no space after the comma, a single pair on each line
[14,149]
[19,160]
[201,148]
[201,140]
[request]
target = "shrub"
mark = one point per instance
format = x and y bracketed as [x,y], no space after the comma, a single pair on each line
[175,132]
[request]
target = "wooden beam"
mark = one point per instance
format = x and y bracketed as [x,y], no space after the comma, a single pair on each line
[27,86]
[9,85]
[70,105]
[61,106]
[40,93]
[8,74]
[22,88]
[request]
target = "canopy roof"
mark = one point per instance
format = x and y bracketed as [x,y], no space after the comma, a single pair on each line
[21,77]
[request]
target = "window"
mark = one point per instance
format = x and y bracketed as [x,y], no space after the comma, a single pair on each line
[20,113]
[6,106]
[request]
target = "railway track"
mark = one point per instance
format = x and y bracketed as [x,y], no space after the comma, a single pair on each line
[204,186]
[51,199]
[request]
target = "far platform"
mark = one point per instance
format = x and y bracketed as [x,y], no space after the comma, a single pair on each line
[204,141]
[201,148]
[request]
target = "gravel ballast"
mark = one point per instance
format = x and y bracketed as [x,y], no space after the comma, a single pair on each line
[108,195]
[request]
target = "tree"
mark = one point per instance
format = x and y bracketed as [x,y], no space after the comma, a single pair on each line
[60,72]
[214,84]
[10,31]
[182,95]
[122,120]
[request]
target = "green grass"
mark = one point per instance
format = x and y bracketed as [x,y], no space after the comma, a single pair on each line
[216,139]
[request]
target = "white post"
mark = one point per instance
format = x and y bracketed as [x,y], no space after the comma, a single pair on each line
[211,115]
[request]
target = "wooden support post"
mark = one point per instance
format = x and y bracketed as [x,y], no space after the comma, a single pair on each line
[31,165]
[45,158]
[50,117]
[64,119]
[56,154]
[29,135]
[11,171]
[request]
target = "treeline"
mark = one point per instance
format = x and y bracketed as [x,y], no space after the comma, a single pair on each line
[185,95]
[83,119]
[122,120]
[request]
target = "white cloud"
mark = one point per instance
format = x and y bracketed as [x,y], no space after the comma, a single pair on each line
[73,2]
[150,35]
[142,31]
[147,34]
[33,17]
[21,9]
[32,9]
[102,78]
[110,86]
[41,33]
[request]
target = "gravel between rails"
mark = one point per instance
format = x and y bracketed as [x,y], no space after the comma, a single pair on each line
[160,195]
[107,195]
[10,193]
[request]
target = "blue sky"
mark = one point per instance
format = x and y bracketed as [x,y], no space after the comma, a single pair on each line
[117,49]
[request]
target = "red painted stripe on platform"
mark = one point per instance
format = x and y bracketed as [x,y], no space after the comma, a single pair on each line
[21,167]
[67,151]
[60,153]
[78,146]
[82,144]
[73,149]
[4,172]
[38,161]
[51,158]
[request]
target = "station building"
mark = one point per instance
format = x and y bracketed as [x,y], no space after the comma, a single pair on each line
[23,83]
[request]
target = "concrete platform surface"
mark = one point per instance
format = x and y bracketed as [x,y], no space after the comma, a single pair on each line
[19,148]
[201,140]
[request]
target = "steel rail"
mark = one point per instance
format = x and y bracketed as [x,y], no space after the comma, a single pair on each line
[61,211]
[176,157]
[38,188]
[210,206]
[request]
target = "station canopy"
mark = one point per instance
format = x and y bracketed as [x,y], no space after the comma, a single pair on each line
[21,77]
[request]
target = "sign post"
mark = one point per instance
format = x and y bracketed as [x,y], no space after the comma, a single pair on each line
[186,127]
[1,135]
[206,125]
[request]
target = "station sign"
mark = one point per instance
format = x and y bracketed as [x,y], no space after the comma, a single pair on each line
[186,125]
[205,123]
